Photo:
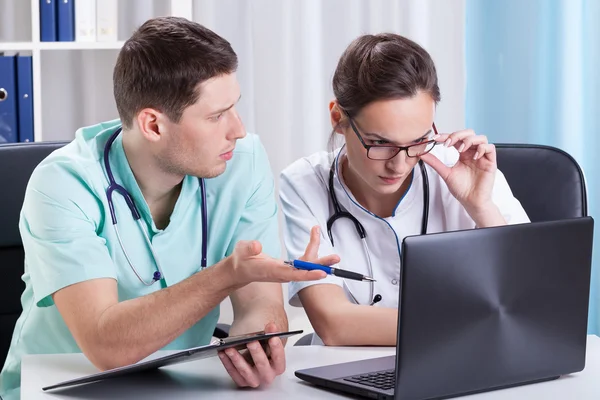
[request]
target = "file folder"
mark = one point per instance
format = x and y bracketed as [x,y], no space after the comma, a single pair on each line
[66,20]
[85,21]
[25,98]
[107,21]
[8,99]
[48,20]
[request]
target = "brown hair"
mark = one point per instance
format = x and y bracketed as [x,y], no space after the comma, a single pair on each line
[380,67]
[163,63]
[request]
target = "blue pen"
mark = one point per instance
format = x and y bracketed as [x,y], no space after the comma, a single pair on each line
[342,273]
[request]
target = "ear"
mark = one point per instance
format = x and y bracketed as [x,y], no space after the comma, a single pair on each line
[335,115]
[149,123]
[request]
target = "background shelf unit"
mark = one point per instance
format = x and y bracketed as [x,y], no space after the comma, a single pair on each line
[72,81]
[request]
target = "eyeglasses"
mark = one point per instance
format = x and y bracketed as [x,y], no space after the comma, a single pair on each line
[388,151]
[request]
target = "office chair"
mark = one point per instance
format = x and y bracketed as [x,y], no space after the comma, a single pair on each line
[547,181]
[17,162]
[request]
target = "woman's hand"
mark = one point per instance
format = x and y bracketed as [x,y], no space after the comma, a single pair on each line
[471,179]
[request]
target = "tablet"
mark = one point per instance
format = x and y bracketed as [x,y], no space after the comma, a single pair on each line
[192,354]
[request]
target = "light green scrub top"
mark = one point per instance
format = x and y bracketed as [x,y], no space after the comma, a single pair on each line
[69,237]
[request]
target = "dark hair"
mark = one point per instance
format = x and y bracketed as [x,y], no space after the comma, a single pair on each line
[163,63]
[381,67]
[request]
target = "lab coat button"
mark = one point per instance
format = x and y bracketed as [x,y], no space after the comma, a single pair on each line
[394,281]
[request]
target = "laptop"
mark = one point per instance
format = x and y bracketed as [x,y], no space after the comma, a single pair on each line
[481,310]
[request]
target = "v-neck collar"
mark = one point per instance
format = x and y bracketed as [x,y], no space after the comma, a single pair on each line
[125,177]
[403,204]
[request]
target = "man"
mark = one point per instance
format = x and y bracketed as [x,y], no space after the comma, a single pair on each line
[118,293]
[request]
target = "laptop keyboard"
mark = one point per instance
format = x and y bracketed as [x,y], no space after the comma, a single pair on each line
[384,380]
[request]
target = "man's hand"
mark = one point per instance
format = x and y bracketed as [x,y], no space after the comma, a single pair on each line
[247,264]
[257,367]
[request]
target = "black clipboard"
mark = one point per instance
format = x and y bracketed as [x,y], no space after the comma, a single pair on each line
[192,354]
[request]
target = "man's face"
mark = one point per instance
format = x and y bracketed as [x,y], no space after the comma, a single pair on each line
[203,140]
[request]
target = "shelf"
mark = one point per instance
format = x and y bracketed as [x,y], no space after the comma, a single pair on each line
[78,45]
[76,75]
[13,46]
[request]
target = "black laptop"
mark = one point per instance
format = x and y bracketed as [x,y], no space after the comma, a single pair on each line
[481,310]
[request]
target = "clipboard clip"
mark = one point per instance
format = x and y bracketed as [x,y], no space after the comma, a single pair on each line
[229,339]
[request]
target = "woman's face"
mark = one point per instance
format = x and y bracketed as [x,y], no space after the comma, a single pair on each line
[401,122]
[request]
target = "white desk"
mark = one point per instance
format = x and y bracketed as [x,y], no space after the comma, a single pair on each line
[207,379]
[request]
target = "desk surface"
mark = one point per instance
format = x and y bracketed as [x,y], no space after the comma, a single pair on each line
[206,378]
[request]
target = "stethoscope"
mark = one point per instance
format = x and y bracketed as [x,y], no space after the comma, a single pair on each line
[113,186]
[339,213]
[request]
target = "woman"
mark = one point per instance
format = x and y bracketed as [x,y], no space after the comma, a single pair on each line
[386,92]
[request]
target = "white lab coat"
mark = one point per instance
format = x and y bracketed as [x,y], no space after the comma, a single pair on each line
[305,203]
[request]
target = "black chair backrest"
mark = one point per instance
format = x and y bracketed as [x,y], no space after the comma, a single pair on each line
[17,162]
[547,181]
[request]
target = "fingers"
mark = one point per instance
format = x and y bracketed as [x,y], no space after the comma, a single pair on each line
[272,270]
[273,342]
[462,140]
[453,138]
[485,150]
[254,248]
[277,354]
[262,364]
[282,273]
[275,349]
[271,327]
[471,146]
[264,370]
[241,366]
[249,248]
[296,275]
[442,169]
[469,143]
[328,260]
[312,249]
[231,370]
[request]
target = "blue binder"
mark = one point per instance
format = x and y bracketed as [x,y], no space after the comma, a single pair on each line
[65,11]
[8,100]
[25,98]
[48,20]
